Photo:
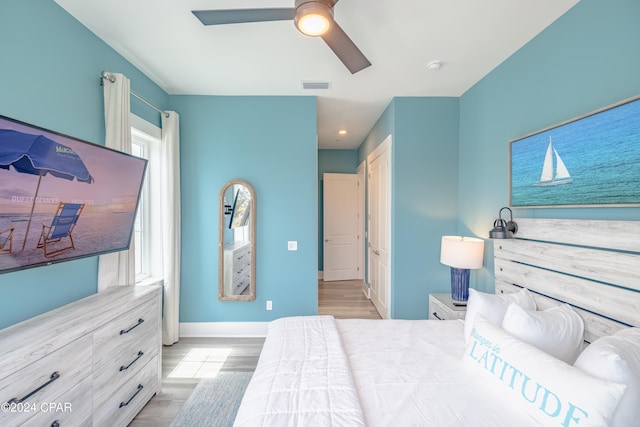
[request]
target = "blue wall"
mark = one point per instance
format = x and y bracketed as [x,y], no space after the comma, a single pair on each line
[586,60]
[49,76]
[271,143]
[424,195]
[443,182]
[331,161]
[589,58]
[384,127]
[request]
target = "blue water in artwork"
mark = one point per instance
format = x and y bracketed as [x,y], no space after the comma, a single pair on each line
[601,152]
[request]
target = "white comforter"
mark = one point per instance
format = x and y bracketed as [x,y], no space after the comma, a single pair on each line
[316,371]
[302,378]
[410,373]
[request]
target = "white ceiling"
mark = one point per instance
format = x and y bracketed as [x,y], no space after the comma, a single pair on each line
[164,40]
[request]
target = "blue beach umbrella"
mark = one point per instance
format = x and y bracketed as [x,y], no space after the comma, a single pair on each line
[39,155]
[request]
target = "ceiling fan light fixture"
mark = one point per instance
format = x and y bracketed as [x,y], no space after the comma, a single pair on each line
[313,18]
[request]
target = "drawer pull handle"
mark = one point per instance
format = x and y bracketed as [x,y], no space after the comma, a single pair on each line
[436,316]
[56,423]
[140,322]
[52,378]
[123,404]
[124,368]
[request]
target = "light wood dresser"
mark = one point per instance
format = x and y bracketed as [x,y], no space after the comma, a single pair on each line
[96,361]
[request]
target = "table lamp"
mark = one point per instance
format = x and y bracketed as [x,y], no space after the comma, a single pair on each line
[461,254]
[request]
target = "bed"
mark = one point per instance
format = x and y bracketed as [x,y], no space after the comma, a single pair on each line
[321,371]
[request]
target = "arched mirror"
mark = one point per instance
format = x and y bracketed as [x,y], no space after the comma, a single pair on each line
[237,242]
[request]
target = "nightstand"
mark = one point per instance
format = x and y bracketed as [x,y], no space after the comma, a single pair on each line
[441,308]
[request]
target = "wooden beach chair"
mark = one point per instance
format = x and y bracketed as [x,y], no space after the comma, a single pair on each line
[61,228]
[6,240]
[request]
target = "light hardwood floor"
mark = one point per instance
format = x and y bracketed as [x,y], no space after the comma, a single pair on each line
[345,300]
[185,363]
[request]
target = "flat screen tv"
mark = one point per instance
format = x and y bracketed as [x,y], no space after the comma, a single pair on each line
[241,207]
[62,198]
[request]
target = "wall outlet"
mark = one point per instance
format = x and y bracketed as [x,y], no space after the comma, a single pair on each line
[292,245]
[269,305]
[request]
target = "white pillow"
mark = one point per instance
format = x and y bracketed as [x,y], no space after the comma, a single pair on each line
[558,331]
[617,358]
[549,390]
[493,306]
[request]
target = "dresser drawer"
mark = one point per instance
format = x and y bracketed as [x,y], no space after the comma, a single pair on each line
[44,382]
[241,257]
[72,409]
[119,406]
[123,346]
[240,284]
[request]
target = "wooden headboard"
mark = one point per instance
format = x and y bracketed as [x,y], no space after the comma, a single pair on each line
[592,265]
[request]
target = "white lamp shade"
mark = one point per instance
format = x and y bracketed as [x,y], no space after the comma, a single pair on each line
[462,252]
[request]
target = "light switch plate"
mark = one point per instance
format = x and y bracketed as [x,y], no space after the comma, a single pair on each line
[292,245]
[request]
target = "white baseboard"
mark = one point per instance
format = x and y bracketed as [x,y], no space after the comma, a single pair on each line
[367,291]
[223,329]
[320,275]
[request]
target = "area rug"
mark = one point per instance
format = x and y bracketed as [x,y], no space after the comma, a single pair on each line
[214,402]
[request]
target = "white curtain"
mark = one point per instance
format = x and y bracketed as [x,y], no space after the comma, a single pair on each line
[117,269]
[170,172]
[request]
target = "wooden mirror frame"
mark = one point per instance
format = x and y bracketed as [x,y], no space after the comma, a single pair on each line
[252,239]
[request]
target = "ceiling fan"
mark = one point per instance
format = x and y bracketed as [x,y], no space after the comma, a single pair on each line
[312,17]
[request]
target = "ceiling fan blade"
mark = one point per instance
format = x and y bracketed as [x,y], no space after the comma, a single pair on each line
[237,16]
[345,49]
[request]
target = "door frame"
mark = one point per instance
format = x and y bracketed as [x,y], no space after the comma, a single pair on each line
[362,173]
[385,145]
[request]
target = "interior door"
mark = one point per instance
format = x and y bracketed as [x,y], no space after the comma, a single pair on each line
[341,237]
[380,228]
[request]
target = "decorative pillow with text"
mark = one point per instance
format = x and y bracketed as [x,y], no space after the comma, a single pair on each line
[551,391]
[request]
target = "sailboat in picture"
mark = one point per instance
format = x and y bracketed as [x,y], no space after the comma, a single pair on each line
[548,177]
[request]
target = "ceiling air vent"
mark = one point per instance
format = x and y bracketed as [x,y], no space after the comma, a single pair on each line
[315,85]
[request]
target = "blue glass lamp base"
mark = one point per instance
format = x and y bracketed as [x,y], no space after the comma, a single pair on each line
[459,285]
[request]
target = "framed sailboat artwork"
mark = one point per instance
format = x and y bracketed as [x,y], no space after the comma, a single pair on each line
[592,160]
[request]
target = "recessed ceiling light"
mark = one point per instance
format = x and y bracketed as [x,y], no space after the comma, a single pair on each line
[434,65]
[342,132]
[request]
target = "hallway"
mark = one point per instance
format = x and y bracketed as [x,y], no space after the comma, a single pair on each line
[345,300]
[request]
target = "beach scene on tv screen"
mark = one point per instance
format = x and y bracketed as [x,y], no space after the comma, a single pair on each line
[62,198]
